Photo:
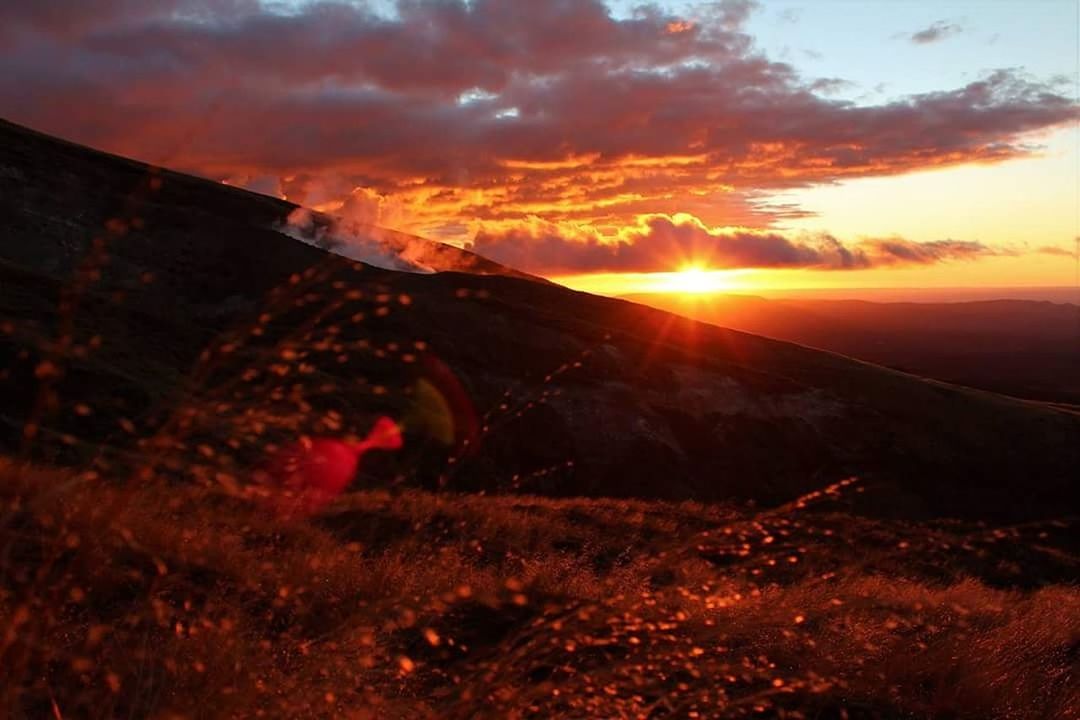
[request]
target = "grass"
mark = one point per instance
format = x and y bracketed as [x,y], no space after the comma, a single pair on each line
[165,599]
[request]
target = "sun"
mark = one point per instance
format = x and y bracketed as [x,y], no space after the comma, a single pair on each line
[694,279]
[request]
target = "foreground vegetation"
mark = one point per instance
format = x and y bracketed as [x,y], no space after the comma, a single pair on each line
[164,599]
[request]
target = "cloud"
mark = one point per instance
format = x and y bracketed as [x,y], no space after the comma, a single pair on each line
[789,16]
[732,14]
[828,86]
[661,242]
[898,251]
[353,237]
[935,32]
[1055,250]
[354,240]
[444,115]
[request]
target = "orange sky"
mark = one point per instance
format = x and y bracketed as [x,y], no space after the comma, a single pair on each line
[1028,208]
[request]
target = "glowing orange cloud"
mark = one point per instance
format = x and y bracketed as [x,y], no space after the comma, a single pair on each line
[674,243]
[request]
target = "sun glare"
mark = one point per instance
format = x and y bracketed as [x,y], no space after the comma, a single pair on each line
[692,281]
[695,279]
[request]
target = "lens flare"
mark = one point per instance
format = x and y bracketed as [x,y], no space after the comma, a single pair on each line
[309,474]
[442,408]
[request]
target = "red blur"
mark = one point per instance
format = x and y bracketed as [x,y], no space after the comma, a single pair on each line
[308,475]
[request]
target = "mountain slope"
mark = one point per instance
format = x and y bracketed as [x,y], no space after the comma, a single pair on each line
[58,197]
[557,392]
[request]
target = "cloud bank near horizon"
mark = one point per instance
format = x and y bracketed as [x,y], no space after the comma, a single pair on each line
[666,243]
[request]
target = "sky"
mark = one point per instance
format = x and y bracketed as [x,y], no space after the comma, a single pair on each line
[616,148]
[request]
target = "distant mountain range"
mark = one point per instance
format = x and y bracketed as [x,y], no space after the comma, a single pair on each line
[1025,348]
[145,308]
[1040,293]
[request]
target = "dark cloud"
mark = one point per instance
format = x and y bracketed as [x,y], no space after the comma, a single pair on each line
[660,242]
[934,33]
[731,14]
[827,86]
[898,251]
[431,46]
[334,83]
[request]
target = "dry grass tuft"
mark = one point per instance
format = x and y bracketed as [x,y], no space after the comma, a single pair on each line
[170,600]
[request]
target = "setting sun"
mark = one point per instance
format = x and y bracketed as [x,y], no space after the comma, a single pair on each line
[691,280]
[694,279]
